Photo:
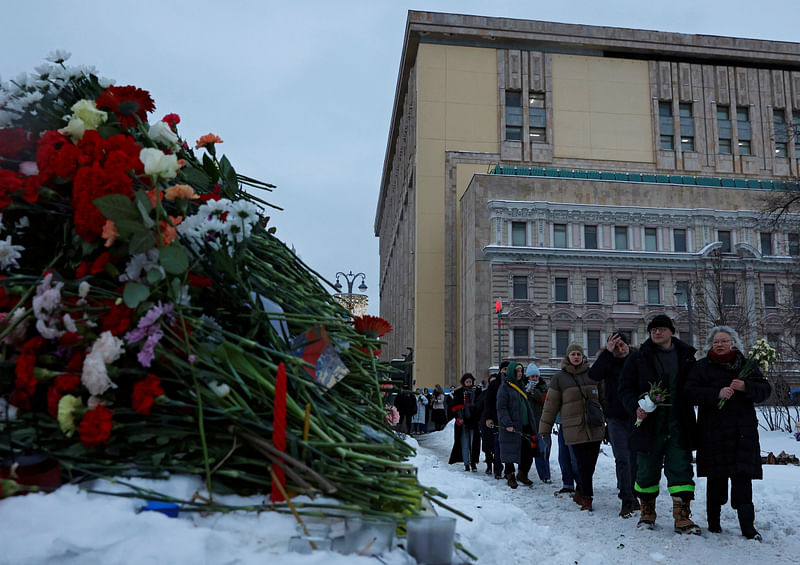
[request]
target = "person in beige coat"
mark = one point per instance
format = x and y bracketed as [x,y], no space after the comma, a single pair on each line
[570,391]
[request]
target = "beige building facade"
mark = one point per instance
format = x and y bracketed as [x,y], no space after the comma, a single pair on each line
[588,178]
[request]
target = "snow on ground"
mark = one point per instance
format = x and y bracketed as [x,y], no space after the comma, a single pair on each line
[529,524]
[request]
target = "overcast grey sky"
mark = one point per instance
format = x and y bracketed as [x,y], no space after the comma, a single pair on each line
[301,91]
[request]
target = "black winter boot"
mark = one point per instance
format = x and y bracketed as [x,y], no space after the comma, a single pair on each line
[713,512]
[747,515]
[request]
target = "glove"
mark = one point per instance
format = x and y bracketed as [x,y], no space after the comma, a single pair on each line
[459,421]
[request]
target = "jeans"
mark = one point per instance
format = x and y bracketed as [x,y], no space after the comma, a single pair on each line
[619,435]
[543,459]
[567,462]
[466,445]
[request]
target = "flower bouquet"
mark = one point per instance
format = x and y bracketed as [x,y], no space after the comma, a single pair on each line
[652,399]
[151,323]
[761,357]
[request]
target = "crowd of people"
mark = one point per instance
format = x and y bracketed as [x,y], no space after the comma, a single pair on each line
[639,400]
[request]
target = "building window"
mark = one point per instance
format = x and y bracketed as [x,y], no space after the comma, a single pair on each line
[681,292]
[796,295]
[679,240]
[653,292]
[666,126]
[593,290]
[562,342]
[624,290]
[520,288]
[519,234]
[724,129]
[537,126]
[729,293]
[520,337]
[769,295]
[513,115]
[590,237]
[687,126]
[766,242]
[794,244]
[796,131]
[592,342]
[559,235]
[561,293]
[621,237]
[774,340]
[650,239]
[725,237]
[780,132]
[743,132]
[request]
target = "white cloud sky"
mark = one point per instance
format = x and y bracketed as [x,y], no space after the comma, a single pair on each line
[302,91]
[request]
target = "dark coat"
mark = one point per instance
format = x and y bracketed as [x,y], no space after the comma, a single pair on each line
[727,438]
[488,403]
[406,403]
[537,395]
[607,368]
[637,374]
[509,413]
[469,418]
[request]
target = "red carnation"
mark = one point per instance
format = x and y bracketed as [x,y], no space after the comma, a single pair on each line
[75,364]
[118,318]
[99,264]
[145,392]
[69,339]
[15,143]
[61,385]
[95,427]
[172,119]
[371,326]
[199,280]
[56,157]
[129,104]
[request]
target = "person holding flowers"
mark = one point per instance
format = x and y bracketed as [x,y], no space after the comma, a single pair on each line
[725,386]
[663,438]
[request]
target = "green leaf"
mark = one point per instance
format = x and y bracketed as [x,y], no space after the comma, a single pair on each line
[197,177]
[228,174]
[126,228]
[134,294]
[116,207]
[154,276]
[174,259]
[144,206]
[142,241]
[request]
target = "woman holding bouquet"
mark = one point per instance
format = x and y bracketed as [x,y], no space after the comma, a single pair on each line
[727,431]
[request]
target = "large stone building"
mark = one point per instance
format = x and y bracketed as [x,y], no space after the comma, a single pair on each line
[588,178]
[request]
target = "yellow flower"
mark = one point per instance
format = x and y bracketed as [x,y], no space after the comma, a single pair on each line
[66,413]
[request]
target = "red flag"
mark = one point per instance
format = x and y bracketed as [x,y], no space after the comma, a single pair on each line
[498,306]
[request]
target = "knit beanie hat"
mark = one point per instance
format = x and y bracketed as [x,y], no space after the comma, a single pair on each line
[532,370]
[661,321]
[574,346]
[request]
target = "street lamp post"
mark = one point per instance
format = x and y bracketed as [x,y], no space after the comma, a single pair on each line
[356,303]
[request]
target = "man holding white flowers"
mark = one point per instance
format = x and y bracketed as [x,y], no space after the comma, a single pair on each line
[664,438]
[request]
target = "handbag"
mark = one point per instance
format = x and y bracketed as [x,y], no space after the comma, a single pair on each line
[593,411]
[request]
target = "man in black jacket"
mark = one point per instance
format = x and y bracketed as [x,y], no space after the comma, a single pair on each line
[607,368]
[663,437]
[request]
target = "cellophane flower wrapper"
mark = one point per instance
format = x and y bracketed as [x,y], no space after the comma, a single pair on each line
[146,303]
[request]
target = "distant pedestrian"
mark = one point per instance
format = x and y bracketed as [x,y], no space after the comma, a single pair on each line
[418,420]
[517,426]
[537,393]
[467,437]
[406,405]
[438,408]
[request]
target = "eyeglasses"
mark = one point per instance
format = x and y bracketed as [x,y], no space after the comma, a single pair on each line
[721,341]
[658,329]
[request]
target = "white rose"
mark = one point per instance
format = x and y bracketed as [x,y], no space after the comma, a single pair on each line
[156,163]
[161,133]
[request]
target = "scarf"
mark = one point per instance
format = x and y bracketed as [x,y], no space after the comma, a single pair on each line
[729,360]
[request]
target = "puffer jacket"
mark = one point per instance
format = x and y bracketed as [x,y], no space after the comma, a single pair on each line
[727,438]
[637,374]
[566,395]
[509,413]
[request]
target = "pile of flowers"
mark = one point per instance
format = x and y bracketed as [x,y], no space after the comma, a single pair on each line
[149,318]
[760,358]
[657,396]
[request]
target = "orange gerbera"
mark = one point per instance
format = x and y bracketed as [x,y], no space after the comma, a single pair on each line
[180,191]
[206,139]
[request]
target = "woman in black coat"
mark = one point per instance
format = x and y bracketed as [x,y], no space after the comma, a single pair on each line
[727,437]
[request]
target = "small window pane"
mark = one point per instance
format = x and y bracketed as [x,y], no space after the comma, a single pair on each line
[796,295]
[794,244]
[681,292]
[665,109]
[667,143]
[744,148]
[559,235]
[723,112]
[679,240]
[561,290]
[562,342]
[650,239]
[725,237]
[781,149]
[518,233]
[592,342]
[766,243]
[520,288]
[685,110]
[592,290]
[590,237]
[687,143]
[724,146]
[769,295]
[537,135]
[620,237]
[520,342]
[623,290]
[653,294]
[728,293]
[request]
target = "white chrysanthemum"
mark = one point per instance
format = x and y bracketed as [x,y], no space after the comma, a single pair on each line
[9,253]
[58,56]
[140,264]
[83,289]
[106,349]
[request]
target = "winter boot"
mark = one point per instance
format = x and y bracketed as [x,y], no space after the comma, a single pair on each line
[713,512]
[524,479]
[626,511]
[586,503]
[647,517]
[512,482]
[564,490]
[488,468]
[577,498]
[747,515]
[680,512]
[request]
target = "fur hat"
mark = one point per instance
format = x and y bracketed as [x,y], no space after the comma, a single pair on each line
[661,321]
[532,370]
[575,346]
